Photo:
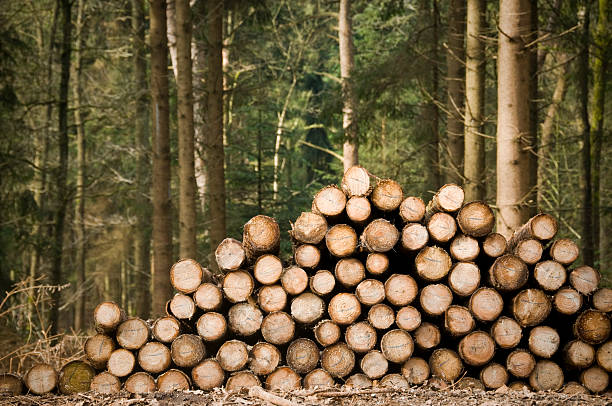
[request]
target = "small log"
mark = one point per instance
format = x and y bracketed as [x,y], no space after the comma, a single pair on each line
[211,326]
[550,275]
[387,195]
[187,350]
[400,289]
[261,235]
[477,348]
[604,356]
[595,379]
[432,263]
[182,306]
[244,319]
[329,202]
[540,227]
[397,346]
[564,251]
[208,297]
[381,316]
[546,375]
[508,273]
[267,269]
[602,300]
[408,318]
[506,332]
[494,376]
[519,386]
[173,380]
[435,299]
[230,255]
[574,388]
[322,283]
[294,280]
[592,326]
[530,250]
[469,383]
[445,364]
[208,374]
[302,355]
[121,362]
[307,256]
[75,377]
[41,379]
[338,360]
[132,333]
[358,210]
[449,198]
[567,301]
[544,341]
[106,383]
[107,317]
[412,209]
[437,384]
[370,292]
[377,263]
[464,248]
[166,329]
[242,380]
[531,307]
[154,357]
[520,363]
[307,308]
[578,354]
[344,308]
[140,382]
[284,379]
[341,240]
[10,385]
[464,278]
[396,381]
[476,219]
[264,358]
[232,356]
[416,371]
[494,245]
[349,272]
[186,275]
[379,236]
[309,228]
[272,298]
[360,337]
[414,237]
[238,286]
[358,381]
[486,304]
[327,333]
[98,349]
[318,379]
[427,336]
[374,364]
[278,328]
[585,279]
[458,320]
[442,227]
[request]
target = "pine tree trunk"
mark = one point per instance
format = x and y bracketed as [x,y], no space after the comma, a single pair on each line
[349,109]
[531,139]
[431,116]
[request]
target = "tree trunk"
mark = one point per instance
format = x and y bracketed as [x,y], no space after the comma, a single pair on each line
[431,116]
[531,140]
[198,54]
[171,33]
[349,108]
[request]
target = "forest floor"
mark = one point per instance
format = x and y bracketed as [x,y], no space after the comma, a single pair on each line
[415,396]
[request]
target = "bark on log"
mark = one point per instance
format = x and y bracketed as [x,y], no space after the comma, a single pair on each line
[464,278]
[309,228]
[401,289]
[338,360]
[261,236]
[107,316]
[416,371]
[445,364]
[546,375]
[211,326]
[585,279]
[544,341]
[344,308]
[602,300]
[427,336]
[121,362]
[464,248]
[327,333]
[75,377]
[374,364]
[360,337]
[531,307]
[264,358]
[358,210]
[595,379]
[98,349]
[208,374]
[307,256]
[186,275]
[232,356]
[564,251]
[349,272]
[494,245]
[187,351]
[322,283]
[506,332]
[508,273]
[550,275]
[242,380]
[520,363]
[318,379]
[377,263]
[268,269]
[10,385]
[397,346]
[208,297]
[140,382]
[370,292]
[173,380]
[358,381]
[341,240]
[302,355]
[230,255]
[414,237]
[244,319]
[530,251]
[442,227]
[166,329]
[396,381]
[494,376]
[182,306]
[278,328]
[435,299]
[412,209]
[154,357]
[387,195]
[294,280]
[106,383]
[408,318]
[477,348]
[567,301]
[272,298]
[604,356]
[432,263]
[307,308]
[132,333]
[578,354]
[476,219]
[329,202]
[284,379]
[449,198]
[458,321]
[381,316]
[540,227]
[592,327]
[238,286]
[379,236]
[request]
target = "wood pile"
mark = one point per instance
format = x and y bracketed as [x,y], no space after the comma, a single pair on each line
[383,290]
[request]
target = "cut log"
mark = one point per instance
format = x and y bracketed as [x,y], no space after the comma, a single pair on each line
[396,381]
[211,326]
[416,371]
[469,383]
[442,227]
[414,237]
[508,273]
[435,299]
[132,333]
[360,337]
[604,356]
[187,351]
[208,374]
[387,195]
[437,384]
[284,379]
[261,235]
[41,379]
[121,362]
[242,380]
[540,227]
[154,357]
[592,327]
[307,256]
[278,328]
[477,348]
[546,375]
[412,209]
[464,248]
[544,341]
[98,349]
[427,336]
[244,319]
[408,318]
[358,210]
[397,346]
[519,386]
[377,263]
[358,381]
[520,363]
[494,376]
[432,263]
[322,283]
[302,355]
[585,279]
[329,202]
[578,354]
[379,236]
[230,255]
[486,304]
[449,198]
[595,379]
[464,278]
[106,383]
[166,329]
[338,360]
[140,382]
[381,316]
[232,356]
[341,240]
[401,289]
[186,275]
[574,388]
[208,297]
[445,364]
[602,300]
[238,286]
[374,364]
[309,228]
[530,250]
[75,377]
[494,245]
[107,317]
[10,385]
[327,333]
[264,358]
[173,380]
[349,272]
[272,298]
[307,308]
[564,251]
[268,269]
[458,320]
[476,219]
[344,308]
[550,275]
[318,379]
[182,306]
[506,332]
[294,280]
[531,307]
[567,301]
[370,292]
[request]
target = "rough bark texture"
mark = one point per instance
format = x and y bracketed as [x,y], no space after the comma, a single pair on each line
[349,108]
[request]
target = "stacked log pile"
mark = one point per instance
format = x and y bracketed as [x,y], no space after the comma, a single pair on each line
[382,290]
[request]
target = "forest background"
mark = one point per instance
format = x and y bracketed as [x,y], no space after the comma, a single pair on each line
[134,133]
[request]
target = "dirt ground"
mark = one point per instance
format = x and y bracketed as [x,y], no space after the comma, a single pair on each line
[416,396]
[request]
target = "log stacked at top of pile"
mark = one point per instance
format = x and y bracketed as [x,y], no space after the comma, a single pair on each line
[382,290]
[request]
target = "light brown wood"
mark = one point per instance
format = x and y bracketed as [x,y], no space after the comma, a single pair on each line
[381,316]
[550,275]
[412,209]
[329,202]
[604,356]
[173,380]
[476,219]
[414,237]
[397,346]
[564,251]
[519,386]
[302,355]
[261,235]
[379,236]
[506,332]
[132,333]
[449,198]
[530,250]
[358,210]
[140,382]
[469,383]
[437,384]
[264,358]
[309,228]
[166,329]
[435,299]
[208,374]
[387,195]
[211,326]
[344,308]
[349,272]
[574,388]
[432,263]
[602,300]
[208,297]
[267,269]
[307,308]
[477,348]
[377,263]
[445,364]
[508,273]
[154,357]
[520,363]
[494,376]
[358,381]
[11,385]
[307,256]
[75,377]
[458,320]
[494,245]
[318,378]
[230,255]
[182,306]
[360,337]
[338,360]
[486,304]
[232,356]
[187,350]
[294,280]
[284,379]
[592,326]
[442,227]
[374,364]
[322,283]
[427,336]
[238,286]
[341,240]
[272,298]
[241,380]
[531,307]
[595,379]
[578,354]
[585,279]
[107,317]
[260,393]
[415,370]
[278,328]
[464,278]
[400,289]
[396,381]
[540,227]
[546,375]
[370,292]
[106,383]
[98,349]
[543,341]
[244,319]
[121,362]
[464,248]
[186,275]
[327,333]
[408,318]
[567,301]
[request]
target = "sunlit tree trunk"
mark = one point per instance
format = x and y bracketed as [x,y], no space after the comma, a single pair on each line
[349,119]
[532,138]
[432,115]
[171,32]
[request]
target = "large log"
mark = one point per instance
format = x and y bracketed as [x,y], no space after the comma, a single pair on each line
[121,362]
[272,298]
[244,319]
[98,349]
[307,256]
[585,279]
[41,379]
[592,326]
[349,272]
[401,289]
[531,307]
[329,202]
[458,320]
[242,380]
[173,380]
[578,354]
[318,379]
[75,377]
[550,275]
[182,306]
[278,328]
[477,348]
[508,273]
[449,198]
[494,245]
[387,195]
[370,292]
[544,341]
[187,351]
[520,363]
[464,248]
[358,210]
[602,300]
[267,269]
[442,227]
[309,228]
[464,278]
[564,251]
[344,308]
[264,358]
[494,376]
[432,263]
[211,326]
[208,297]
[302,355]
[230,255]
[284,379]
[408,318]
[546,375]
[567,301]
[397,346]
[307,308]
[107,316]
[412,209]
[322,283]
[154,357]
[140,382]
[166,329]
[604,356]
[506,332]
[261,235]
[186,275]
[427,336]
[341,240]
[379,236]
[415,370]
[208,374]
[374,364]
[414,237]
[238,286]
[360,337]
[338,360]
[327,333]
[106,383]
[356,181]
[294,280]
[233,355]
[381,316]
[540,227]
[445,364]
[595,379]
[10,385]
[435,299]
[476,219]
[377,263]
